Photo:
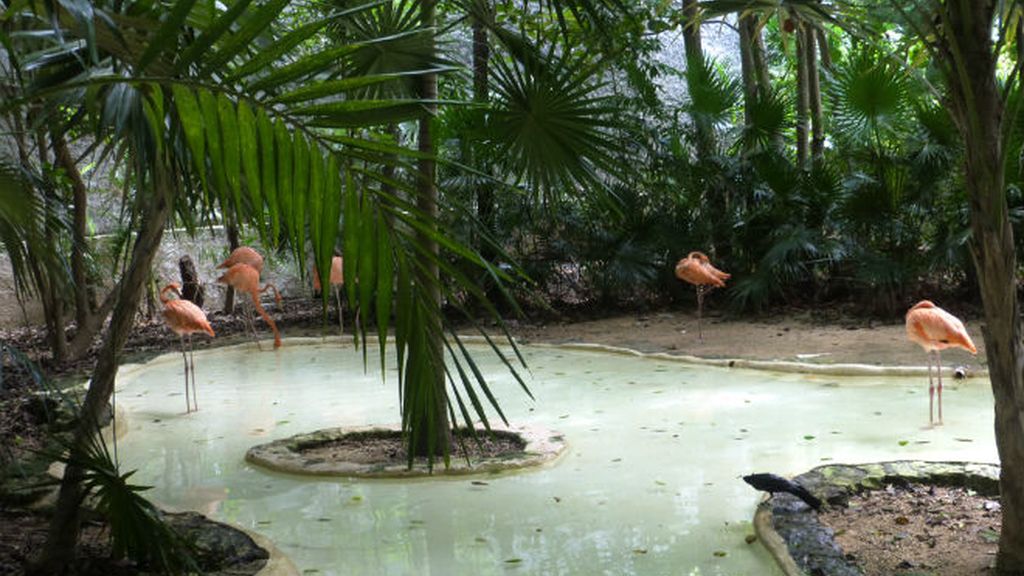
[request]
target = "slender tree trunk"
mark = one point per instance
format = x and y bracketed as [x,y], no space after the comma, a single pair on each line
[978,108]
[814,94]
[58,554]
[51,287]
[437,432]
[695,57]
[823,49]
[691,30]
[747,73]
[802,96]
[229,295]
[78,241]
[485,199]
[88,319]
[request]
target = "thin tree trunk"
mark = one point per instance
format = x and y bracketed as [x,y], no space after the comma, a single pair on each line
[749,77]
[823,49]
[691,30]
[704,133]
[58,554]
[229,294]
[436,424]
[802,96]
[53,299]
[485,200]
[814,94]
[978,109]
[78,241]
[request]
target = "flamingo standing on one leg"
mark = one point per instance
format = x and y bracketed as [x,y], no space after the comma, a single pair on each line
[696,269]
[184,319]
[935,329]
[243,255]
[337,280]
[245,278]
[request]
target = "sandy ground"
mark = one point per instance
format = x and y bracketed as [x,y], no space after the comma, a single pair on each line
[796,337]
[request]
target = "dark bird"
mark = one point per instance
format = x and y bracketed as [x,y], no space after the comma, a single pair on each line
[772,483]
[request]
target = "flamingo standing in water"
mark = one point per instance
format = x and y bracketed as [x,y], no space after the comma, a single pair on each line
[184,319]
[337,280]
[935,329]
[244,255]
[244,278]
[696,269]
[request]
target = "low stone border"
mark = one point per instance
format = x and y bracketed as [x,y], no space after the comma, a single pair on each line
[774,365]
[542,447]
[791,532]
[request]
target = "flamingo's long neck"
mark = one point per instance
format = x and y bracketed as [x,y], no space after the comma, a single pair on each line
[163,293]
[266,317]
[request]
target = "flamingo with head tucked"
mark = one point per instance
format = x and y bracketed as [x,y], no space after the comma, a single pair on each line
[184,319]
[244,255]
[696,269]
[245,278]
[935,329]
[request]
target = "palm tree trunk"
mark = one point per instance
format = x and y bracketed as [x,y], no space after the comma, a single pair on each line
[814,94]
[481,94]
[978,109]
[802,97]
[438,433]
[62,542]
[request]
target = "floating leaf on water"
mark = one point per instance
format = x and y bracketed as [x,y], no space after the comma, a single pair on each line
[311,571]
[281,422]
[563,416]
[659,482]
[323,519]
[538,530]
[417,522]
[616,459]
[825,458]
[513,561]
[640,551]
[808,437]
[751,538]
[479,483]
[357,498]
[263,522]
[963,439]
[721,553]
[903,442]
[557,499]
[480,539]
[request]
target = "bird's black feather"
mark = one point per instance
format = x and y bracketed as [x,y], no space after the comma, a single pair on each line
[773,483]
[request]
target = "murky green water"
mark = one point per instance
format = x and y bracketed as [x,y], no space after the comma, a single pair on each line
[651,484]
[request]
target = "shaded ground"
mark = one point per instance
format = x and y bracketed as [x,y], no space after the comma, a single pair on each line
[918,530]
[820,337]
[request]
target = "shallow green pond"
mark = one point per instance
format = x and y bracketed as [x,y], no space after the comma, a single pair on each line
[650,485]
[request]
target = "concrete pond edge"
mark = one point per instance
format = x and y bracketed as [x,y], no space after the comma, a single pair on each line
[800,544]
[543,447]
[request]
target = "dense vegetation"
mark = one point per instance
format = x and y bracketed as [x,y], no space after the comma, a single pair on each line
[474,153]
